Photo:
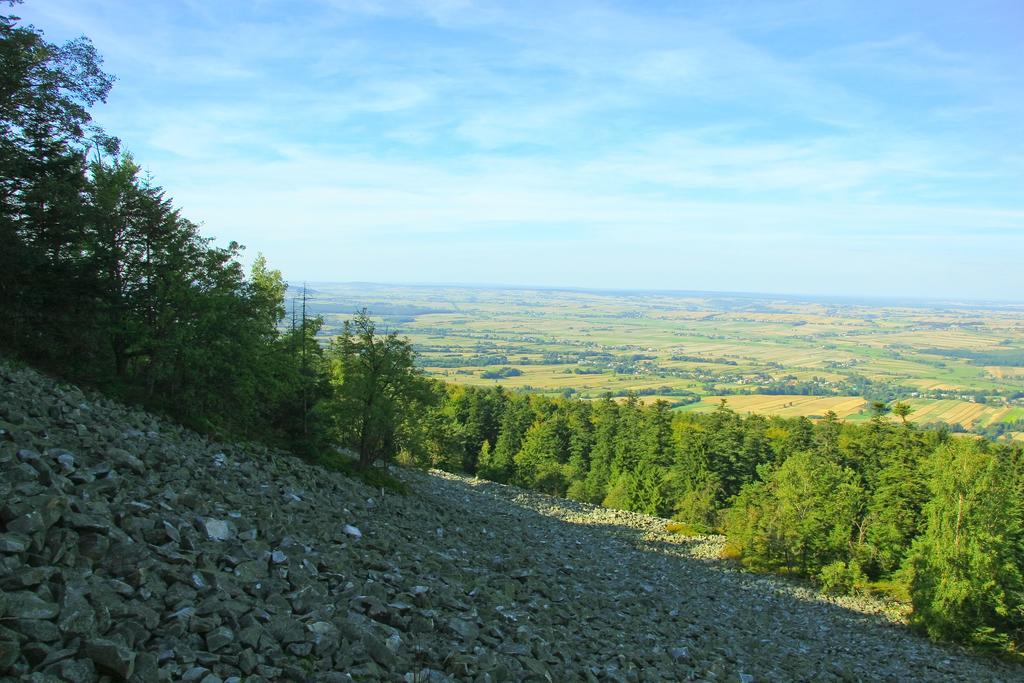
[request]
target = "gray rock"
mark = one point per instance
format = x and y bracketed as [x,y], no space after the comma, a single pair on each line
[247,661]
[25,605]
[38,630]
[13,543]
[219,638]
[77,617]
[286,630]
[378,649]
[195,674]
[10,650]
[29,524]
[124,459]
[66,461]
[111,656]
[78,671]
[219,529]
[466,630]
[146,669]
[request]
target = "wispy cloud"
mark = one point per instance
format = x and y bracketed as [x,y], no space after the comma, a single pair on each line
[762,136]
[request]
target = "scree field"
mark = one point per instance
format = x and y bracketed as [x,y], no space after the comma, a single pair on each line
[954,362]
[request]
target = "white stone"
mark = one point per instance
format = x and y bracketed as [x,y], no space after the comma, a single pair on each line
[219,529]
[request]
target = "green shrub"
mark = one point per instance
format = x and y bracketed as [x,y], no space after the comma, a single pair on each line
[841,578]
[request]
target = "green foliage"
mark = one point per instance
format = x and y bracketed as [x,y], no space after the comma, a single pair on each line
[378,393]
[966,567]
[501,373]
[894,514]
[696,503]
[539,464]
[841,578]
[45,130]
[103,281]
[801,517]
[618,494]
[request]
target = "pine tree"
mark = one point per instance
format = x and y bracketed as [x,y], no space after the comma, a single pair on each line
[968,564]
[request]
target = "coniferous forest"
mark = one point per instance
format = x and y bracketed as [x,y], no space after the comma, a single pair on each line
[105,282]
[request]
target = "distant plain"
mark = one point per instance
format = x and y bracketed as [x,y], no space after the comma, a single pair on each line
[961,363]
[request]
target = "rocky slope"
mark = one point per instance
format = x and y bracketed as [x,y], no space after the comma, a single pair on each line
[134,549]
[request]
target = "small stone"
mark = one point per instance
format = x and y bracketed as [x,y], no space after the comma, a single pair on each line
[379,650]
[172,532]
[38,630]
[66,461]
[287,630]
[352,531]
[29,524]
[278,557]
[251,570]
[219,638]
[11,544]
[78,671]
[467,630]
[111,656]
[247,661]
[25,605]
[123,458]
[195,674]
[10,650]
[218,529]
[679,653]
[145,668]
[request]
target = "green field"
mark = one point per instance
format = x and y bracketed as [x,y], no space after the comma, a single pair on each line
[692,349]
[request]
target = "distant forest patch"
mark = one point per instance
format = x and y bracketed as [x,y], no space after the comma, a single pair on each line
[1008,358]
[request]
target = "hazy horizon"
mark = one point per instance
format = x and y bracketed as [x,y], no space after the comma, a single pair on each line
[822,148]
[296,285]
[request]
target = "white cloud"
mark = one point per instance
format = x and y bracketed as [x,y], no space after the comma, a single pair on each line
[688,133]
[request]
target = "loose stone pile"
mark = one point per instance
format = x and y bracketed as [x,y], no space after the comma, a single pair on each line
[133,549]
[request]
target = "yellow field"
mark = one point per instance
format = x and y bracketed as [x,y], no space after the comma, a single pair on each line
[786,406]
[553,378]
[949,411]
[1004,372]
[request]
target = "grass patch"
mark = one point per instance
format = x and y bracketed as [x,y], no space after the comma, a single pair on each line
[683,529]
[898,591]
[377,477]
[731,553]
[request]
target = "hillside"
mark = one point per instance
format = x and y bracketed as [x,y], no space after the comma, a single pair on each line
[135,549]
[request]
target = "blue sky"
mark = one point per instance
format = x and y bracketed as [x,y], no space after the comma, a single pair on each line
[817,147]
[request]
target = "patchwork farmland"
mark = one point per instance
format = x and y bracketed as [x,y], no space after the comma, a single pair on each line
[960,364]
